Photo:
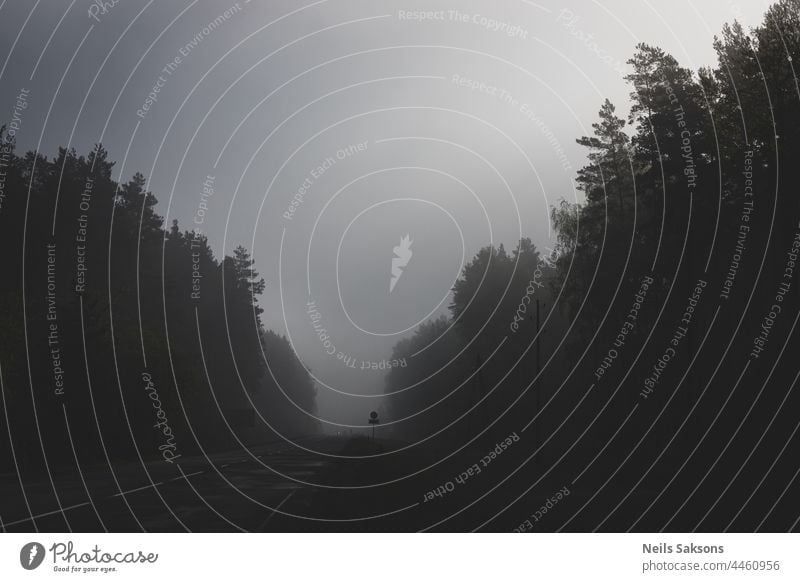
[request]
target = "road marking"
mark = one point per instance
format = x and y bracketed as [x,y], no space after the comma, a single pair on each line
[48,513]
[138,489]
[189,475]
[271,515]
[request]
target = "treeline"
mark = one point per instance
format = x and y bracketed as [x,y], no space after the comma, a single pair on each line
[465,370]
[690,214]
[133,334]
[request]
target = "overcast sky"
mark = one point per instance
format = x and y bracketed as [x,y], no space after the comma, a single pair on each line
[334,128]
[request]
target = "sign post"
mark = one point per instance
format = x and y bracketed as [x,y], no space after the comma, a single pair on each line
[373,420]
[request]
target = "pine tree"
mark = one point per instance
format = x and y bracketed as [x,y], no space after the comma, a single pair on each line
[608,170]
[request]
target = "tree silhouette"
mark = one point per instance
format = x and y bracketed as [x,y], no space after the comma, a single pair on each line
[151,302]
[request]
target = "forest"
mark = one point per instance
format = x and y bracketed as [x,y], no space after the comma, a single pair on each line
[155,346]
[690,221]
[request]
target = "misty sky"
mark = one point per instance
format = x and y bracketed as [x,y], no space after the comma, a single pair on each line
[331,129]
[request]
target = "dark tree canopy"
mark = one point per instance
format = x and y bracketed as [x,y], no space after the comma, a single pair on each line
[150,303]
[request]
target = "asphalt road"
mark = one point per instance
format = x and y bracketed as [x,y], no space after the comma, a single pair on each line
[224,492]
[337,484]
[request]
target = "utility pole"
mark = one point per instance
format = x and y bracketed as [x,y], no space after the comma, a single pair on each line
[538,341]
[477,389]
[537,398]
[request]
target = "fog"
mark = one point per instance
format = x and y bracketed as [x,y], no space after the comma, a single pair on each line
[332,130]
